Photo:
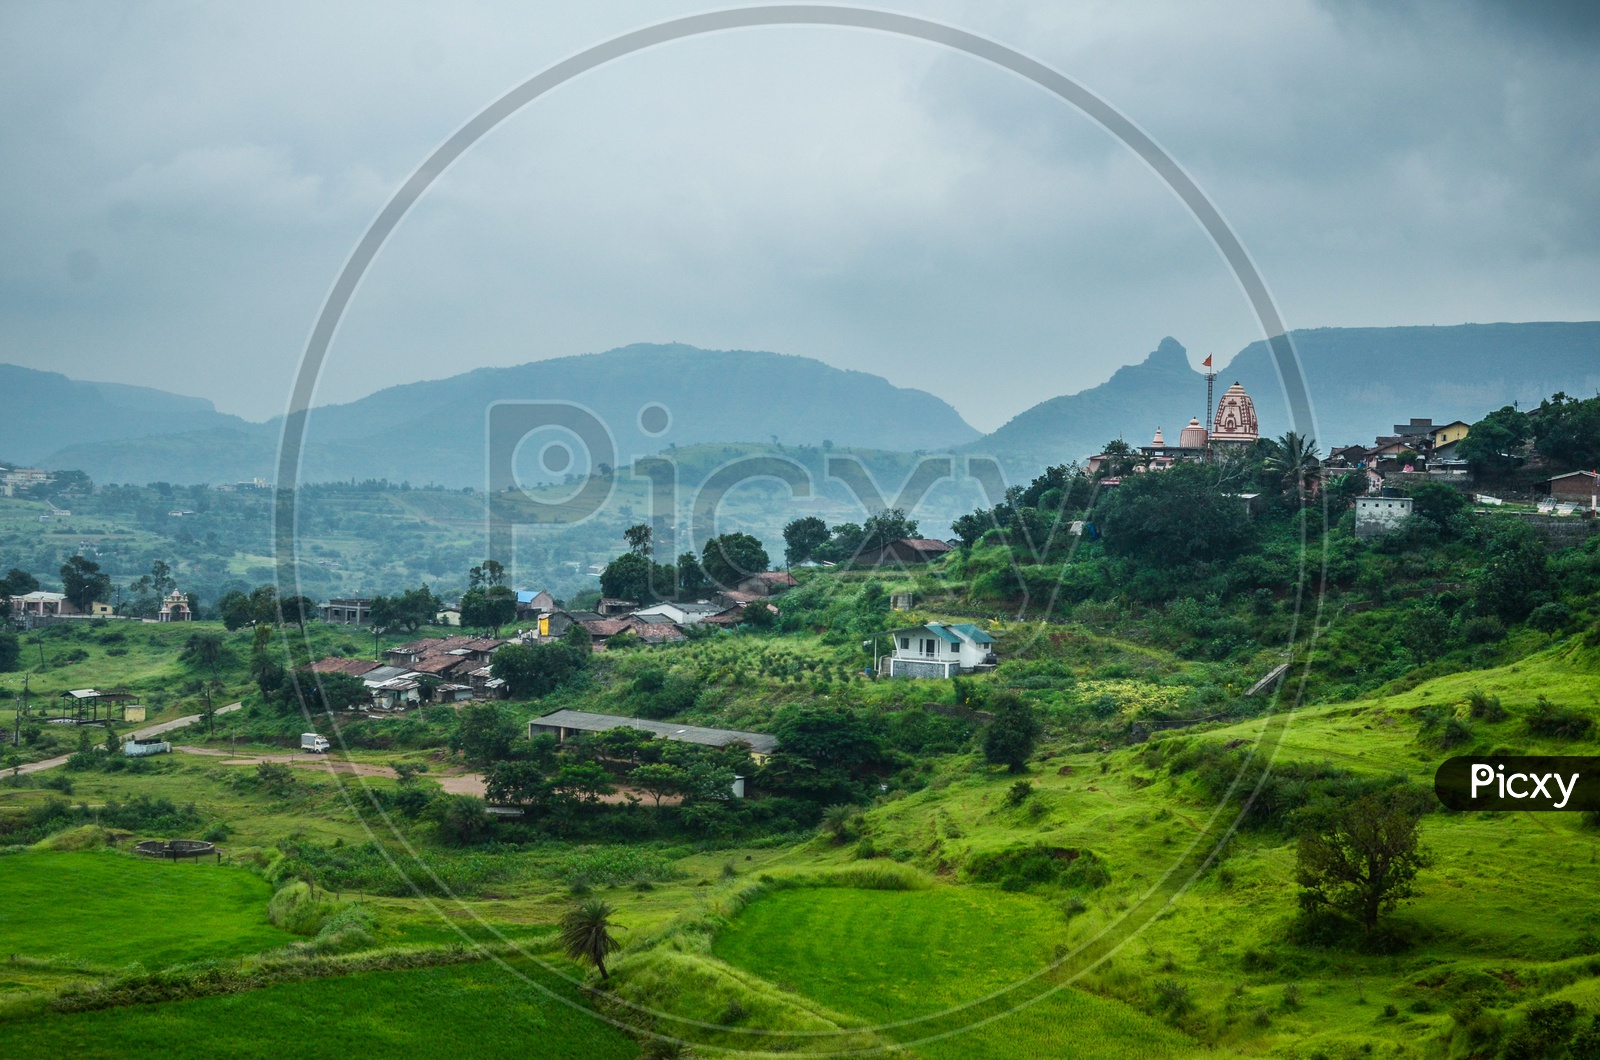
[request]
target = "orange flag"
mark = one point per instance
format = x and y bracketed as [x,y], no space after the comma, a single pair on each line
[1207,361]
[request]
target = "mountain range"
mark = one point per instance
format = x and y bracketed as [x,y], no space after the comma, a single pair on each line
[1361,381]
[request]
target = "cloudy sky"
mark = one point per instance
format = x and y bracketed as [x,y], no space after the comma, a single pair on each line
[184,180]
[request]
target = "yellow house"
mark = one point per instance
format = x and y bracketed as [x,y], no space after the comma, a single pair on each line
[1450,433]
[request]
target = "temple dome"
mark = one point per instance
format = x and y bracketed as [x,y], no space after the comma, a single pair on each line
[1193,436]
[1236,417]
[1158,440]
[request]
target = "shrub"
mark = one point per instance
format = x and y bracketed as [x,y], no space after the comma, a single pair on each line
[1557,723]
[1485,707]
[1020,867]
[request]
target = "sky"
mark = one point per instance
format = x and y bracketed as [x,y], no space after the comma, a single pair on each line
[183,182]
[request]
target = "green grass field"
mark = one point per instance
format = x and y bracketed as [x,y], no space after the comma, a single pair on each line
[107,908]
[472,1010]
[888,956]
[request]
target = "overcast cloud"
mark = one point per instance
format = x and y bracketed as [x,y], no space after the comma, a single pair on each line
[183,182]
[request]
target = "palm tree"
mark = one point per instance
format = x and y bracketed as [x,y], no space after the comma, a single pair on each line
[1295,458]
[586,933]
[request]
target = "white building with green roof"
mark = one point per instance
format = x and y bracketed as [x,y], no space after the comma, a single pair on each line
[938,649]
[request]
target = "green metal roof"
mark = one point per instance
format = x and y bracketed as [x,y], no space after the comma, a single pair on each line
[973,633]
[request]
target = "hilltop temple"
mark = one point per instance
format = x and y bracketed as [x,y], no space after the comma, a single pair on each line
[1234,424]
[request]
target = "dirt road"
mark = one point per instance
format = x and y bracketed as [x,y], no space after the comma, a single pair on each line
[137,734]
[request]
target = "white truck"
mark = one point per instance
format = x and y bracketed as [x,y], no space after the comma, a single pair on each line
[310,741]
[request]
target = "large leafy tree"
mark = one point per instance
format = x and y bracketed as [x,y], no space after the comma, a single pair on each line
[1173,517]
[1491,445]
[18,583]
[533,670]
[888,525]
[484,733]
[1567,430]
[488,573]
[410,610]
[1011,737]
[1516,577]
[629,577]
[488,608]
[802,537]
[729,558]
[1360,858]
[84,582]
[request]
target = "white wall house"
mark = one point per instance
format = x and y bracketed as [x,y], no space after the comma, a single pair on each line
[938,650]
[1376,516]
[680,614]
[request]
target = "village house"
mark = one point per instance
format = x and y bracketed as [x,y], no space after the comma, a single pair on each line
[678,614]
[612,607]
[349,611]
[1376,516]
[530,603]
[906,550]
[1450,433]
[17,480]
[1581,487]
[937,649]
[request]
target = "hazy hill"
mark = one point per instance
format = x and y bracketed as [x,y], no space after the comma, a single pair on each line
[1362,382]
[45,411]
[434,431]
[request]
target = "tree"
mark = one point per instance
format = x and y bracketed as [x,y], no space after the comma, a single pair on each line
[204,649]
[1119,459]
[638,538]
[755,614]
[1295,462]
[18,582]
[883,527]
[1360,858]
[334,692]
[264,605]
[298,609]
[583,781]
[483,733]
[1012,735]
[1438,503]
[462,819]
[84,583]
[659,779]
[1491,444]
[411,610]
[802,537]
[628,577]
[691,576]
[1178,516]
[534,670]
[517,783]
[1515,578]
[161,580]
[10,650]
[488,573]
[234,607]
[586,934]
[1567,430]
[499,607]
[730,558]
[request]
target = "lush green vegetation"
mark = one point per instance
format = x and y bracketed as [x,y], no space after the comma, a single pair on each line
[109,909]
[483,1009]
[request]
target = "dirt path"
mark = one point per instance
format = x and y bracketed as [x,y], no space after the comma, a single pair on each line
[454,783]
[137,734]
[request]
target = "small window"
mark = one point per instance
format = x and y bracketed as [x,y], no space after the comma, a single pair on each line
[905,643]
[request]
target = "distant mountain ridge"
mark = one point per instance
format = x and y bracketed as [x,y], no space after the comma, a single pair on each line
[1361,381]
[434,431]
